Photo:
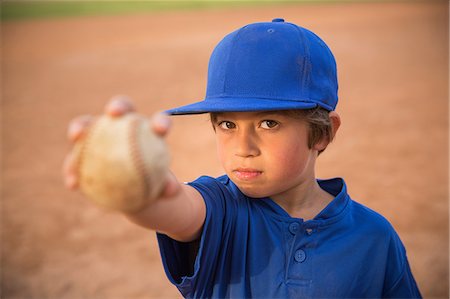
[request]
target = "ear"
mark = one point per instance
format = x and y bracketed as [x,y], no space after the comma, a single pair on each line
[335,123]
[335,120]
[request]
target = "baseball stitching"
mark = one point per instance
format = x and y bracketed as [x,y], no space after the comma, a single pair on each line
[136,156]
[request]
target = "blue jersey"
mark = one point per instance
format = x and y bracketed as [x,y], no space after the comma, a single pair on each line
[252,248]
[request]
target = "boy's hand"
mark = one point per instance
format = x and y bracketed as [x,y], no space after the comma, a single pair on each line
[118,107]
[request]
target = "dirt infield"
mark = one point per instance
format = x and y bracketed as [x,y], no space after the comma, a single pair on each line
[392,148]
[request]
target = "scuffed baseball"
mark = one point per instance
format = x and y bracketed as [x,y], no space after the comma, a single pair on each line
[122,163]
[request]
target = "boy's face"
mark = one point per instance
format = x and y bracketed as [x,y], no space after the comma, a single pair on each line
[265,154]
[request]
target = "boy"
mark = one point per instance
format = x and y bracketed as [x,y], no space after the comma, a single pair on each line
[269,228]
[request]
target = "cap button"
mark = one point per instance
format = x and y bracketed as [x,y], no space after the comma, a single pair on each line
[278,20]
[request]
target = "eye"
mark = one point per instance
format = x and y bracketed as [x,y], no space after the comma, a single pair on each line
[269,124]
[226,125]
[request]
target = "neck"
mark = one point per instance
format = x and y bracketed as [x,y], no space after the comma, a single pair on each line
[304,201]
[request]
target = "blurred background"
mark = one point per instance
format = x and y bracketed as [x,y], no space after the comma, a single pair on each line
[62,59]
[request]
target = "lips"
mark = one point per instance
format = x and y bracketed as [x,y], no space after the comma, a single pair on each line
[247,174]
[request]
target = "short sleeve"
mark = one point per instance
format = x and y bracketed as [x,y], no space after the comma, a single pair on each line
[399,282]
[175,255]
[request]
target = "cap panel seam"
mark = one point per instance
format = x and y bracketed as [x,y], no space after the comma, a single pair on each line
[306,72]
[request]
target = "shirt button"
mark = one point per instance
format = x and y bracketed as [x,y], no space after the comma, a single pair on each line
[309,231]
[293,227]
[300,256]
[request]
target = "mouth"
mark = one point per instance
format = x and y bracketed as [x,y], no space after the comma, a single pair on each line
[246,174]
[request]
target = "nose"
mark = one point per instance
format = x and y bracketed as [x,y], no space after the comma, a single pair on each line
[247,144]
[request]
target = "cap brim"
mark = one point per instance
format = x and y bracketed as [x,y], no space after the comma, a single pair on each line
[242,105]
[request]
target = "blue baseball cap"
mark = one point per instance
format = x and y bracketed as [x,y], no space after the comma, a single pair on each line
[268,66]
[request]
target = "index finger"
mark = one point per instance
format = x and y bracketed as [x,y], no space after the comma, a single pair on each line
[160,123]
[119,105]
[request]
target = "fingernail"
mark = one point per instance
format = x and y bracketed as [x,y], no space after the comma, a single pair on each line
[115,107]
[74,131]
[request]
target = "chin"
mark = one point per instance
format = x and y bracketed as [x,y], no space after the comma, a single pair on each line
[251,189]
[253,192]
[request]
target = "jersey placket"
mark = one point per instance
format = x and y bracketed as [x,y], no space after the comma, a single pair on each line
[299,258]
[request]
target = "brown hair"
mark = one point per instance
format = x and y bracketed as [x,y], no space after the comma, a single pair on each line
[318,121]
[319,124]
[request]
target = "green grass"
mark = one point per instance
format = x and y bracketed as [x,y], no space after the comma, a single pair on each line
[34,9]
[13,10]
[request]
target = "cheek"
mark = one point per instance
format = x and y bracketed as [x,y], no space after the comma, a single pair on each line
[290,159]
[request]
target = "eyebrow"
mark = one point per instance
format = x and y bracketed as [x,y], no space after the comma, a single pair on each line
[214,116]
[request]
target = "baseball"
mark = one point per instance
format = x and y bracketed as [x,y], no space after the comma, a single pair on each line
[122,163]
